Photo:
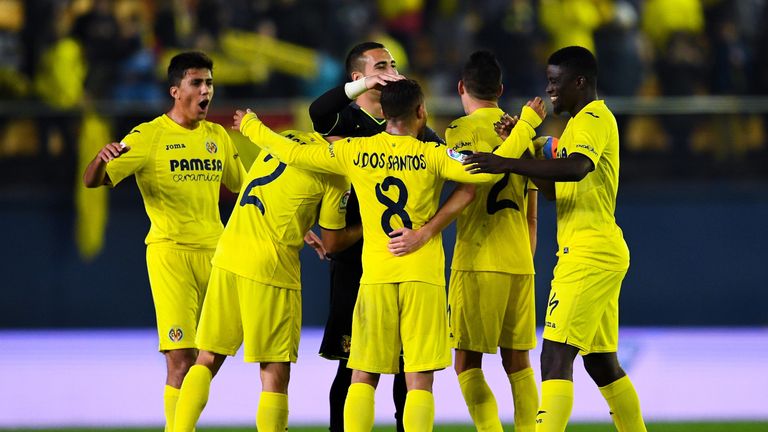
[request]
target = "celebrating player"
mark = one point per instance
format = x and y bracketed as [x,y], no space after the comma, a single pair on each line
[180,161]
[401,304]
[254,292]
[491,292]
[582,313]
[354,110]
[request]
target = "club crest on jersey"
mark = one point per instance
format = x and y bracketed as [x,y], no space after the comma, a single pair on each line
[175,334]
[453,154]
[211,147]
[344,200]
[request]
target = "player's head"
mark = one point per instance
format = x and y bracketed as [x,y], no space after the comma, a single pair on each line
[369,58]
[571,77]
[190,78]
[403,101]
[481,76]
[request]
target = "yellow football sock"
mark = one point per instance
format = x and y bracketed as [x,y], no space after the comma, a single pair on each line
[624,404]
[556,405]
[526,398]
[480,400]
[192,398]
[359,408]
[419,411]
[272,415]
[170,397]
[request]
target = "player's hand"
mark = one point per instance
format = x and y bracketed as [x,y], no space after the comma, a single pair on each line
[238,118]
[380,80]
[112,151]
[538,105]
[490,163]
[504,126]
[316,243]
[405,240]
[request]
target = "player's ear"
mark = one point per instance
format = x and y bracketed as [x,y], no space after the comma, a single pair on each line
[421,111]
[174,92]
[460,87]
[501,91]
[356,75]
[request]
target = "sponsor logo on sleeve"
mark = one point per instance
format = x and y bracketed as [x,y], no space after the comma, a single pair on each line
[455,155]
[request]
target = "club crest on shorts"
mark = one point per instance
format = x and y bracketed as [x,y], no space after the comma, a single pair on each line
[346,342]
[211,147]
[175,334]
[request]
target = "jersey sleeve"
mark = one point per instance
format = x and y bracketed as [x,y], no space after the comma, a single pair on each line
[448,164]
[333,208]
[460,138]
[234,172]
[133,160]
[325,159]
[588,137]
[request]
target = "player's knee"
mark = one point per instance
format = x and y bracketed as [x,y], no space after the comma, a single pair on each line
[557,361]
[603,368]
[514,360]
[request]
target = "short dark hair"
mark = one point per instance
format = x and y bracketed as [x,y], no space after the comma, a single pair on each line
[354,61]
[482,75]
[399,99]
[577,60]
[187,60]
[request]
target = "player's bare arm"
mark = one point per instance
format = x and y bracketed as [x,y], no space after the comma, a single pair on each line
[404,240]
[338,240]
[96,172]
[574,168]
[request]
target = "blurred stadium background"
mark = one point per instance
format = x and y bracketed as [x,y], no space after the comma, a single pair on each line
[688,80]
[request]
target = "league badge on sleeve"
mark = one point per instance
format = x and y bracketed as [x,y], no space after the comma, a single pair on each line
[458,156]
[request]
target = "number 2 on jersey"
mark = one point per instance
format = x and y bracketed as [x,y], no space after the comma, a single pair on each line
[494,204]
[261,181]
[394,208]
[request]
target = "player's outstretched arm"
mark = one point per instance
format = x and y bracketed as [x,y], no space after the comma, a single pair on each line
[314,158]
[574,168]
[96,172]
[404,240]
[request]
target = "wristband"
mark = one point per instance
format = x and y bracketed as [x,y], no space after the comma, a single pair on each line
[355,88]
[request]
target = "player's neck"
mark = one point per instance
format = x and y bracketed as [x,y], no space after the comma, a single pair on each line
[371,104]
[182,120]
[582,102]
[471,105]
[403,128]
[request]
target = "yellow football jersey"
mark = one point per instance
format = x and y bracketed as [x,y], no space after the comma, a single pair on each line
[586,227]
[492,232]
[397,180]
[276,207]
[179,173]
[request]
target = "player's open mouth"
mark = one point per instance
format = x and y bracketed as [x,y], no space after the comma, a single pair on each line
[204,103]
[553,99]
